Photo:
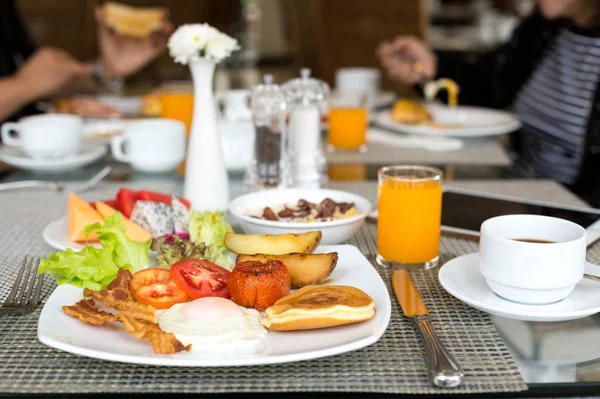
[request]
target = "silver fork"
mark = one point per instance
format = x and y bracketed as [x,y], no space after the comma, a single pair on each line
[55,186]
[25,293]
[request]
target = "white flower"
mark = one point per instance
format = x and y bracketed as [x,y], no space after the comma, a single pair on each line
[221,46]
[192,41]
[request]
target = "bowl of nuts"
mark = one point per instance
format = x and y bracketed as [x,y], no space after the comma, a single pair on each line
[337,214]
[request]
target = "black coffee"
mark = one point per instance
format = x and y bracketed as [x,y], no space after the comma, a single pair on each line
[534,240]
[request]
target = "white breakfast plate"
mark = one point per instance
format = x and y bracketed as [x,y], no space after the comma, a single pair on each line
[112,343]
[88,153]
[55,235]
[462,279]
[472,121]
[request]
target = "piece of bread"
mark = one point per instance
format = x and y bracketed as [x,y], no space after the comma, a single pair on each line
[408,111]
[319,306]
[133,21]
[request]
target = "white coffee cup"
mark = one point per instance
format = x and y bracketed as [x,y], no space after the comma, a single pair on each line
[152,145]
[45,136]
[531,272]
[235,104]
[366,80]
[237,139]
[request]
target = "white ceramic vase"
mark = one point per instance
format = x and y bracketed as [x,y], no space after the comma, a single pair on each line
[206,183]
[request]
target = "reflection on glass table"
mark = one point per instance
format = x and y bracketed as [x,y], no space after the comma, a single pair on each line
[565,352]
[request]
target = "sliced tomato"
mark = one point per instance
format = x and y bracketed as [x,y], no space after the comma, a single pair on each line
[159,197]
[126,201]
[155,287]
[199,278]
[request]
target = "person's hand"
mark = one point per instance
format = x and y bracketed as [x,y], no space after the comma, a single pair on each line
[49,70]
[122,56]
[407,60]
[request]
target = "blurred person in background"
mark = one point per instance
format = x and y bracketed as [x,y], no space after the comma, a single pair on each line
[29,74]
[549,72]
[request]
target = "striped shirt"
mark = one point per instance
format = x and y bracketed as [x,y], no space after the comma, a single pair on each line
[555,103]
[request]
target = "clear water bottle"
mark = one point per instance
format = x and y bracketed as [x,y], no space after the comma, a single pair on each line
[269,167]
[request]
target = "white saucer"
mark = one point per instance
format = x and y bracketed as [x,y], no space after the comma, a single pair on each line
[462,279]
[88,154]
[55,235]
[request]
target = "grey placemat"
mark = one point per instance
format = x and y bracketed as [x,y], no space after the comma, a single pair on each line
[395,364]
[486,151]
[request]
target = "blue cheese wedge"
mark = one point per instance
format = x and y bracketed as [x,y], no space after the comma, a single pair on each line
[181,216]
[154,217]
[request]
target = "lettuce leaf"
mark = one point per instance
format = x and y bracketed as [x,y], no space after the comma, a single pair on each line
[209,228]
[95,268]
[125,251]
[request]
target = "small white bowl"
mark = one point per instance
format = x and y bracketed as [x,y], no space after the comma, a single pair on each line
[334,232]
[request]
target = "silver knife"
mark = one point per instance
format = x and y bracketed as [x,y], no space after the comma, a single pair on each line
[443,370]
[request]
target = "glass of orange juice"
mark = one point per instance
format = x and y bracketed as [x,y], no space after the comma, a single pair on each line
[177,102]
[409,216]
[347,121]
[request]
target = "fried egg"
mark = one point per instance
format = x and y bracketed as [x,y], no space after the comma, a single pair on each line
[214,325]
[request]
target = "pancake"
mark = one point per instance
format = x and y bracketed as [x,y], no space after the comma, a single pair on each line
[133,21]
[319,306]
[410,112]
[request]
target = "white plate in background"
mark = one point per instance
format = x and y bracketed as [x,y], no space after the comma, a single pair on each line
[465,122]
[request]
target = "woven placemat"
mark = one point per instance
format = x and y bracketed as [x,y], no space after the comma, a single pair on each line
[395,364]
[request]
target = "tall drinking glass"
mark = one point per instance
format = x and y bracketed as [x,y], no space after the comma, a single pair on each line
[347,121]
[409,216]
[177,102]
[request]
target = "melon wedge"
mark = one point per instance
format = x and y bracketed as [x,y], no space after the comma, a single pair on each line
[79,215]
[132,230]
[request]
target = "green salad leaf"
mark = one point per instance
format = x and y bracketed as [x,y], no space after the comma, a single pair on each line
[92,267]
[126,251]
[209,228]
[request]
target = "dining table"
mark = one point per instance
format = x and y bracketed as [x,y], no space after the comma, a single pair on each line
[501,357]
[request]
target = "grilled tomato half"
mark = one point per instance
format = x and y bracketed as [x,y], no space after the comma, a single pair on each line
[258,285]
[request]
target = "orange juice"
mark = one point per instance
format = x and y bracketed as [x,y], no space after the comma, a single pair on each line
[347,172]
[409,218]
[347,128]
[179,106]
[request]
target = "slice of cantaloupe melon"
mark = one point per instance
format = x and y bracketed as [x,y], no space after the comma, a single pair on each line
[132,230]
[79,215]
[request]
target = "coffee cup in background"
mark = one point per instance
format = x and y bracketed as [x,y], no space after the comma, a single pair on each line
[234,104]
[45,136]
[152,145]
[532,259]
[237,139]
[366,80]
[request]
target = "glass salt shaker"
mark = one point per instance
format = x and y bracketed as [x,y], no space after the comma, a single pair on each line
[268,168]
[307,101]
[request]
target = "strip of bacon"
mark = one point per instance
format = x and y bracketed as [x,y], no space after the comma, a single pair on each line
[138,318]
[87,311]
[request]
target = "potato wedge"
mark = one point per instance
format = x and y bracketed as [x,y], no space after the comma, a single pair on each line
[304,269]
[272,244]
